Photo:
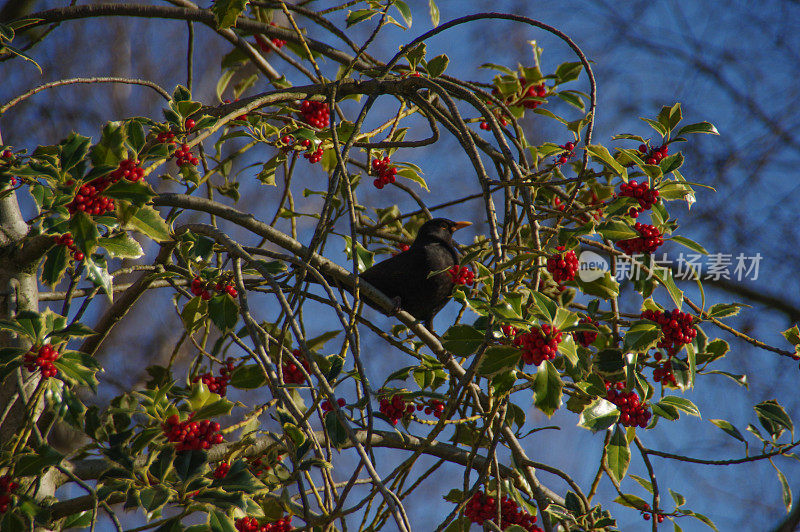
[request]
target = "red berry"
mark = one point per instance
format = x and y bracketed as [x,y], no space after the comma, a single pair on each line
[539,344]
[191,435]
[461,275]
[482,507]
[189,124]
[563,266]
[632,411]
[385,172]
[315,113]
[648,242]
[585,338]
[395,409]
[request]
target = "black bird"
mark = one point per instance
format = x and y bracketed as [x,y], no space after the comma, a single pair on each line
[404,277]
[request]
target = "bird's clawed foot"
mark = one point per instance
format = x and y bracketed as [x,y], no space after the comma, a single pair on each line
[396,305]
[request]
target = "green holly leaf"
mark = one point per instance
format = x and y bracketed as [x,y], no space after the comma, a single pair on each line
[223,312]
[84,232]
[547,389]
[55,264]
[462,340]
[149,222]
[598,415]
[498,358]
[97,272]
[641,335]
[618,453]
[602,154]
[137,193]
[121,246]
[438,65]
[111,148]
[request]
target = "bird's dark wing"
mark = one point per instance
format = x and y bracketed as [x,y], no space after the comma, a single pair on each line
[406,276]
[393,274]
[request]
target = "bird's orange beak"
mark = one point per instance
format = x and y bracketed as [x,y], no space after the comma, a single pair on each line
[460,225]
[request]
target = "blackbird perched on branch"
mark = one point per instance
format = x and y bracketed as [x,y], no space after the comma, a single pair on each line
[405,277]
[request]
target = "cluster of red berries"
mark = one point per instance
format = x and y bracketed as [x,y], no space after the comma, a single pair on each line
[585,338]
[292,374]
[326,405]
[251,524]
[315,114]
[166,137]
[526,98]
[534,91]
[641,192]
[66,240]
[7,487]
[663,371]
[482,507]
[632,412]
[183,156]
[202,288]
[221,470]
[129,169]
[262,42]
[385,171]
[42,359]
[199,288]
[654,155]
[395,408]
[594,200]
[676,326]
[461,275]
[314,156]
[563,266]
[509,330]
[433,407]
[539,344]
[218,385]
[227,288]
[567,154]
[646,514]
[7,154]
[88,198]
[648,242]
[191,435]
